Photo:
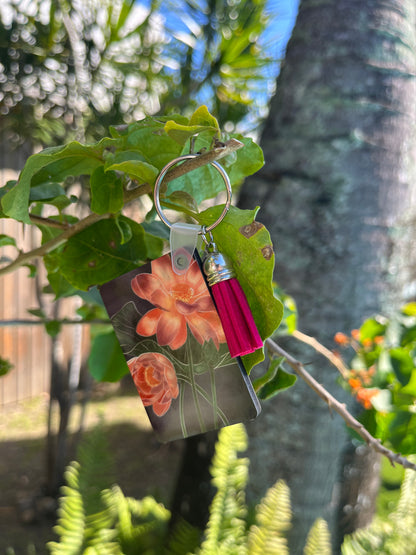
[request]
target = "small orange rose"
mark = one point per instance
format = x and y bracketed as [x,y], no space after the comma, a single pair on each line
[354,383]
[341,339]
[155,380]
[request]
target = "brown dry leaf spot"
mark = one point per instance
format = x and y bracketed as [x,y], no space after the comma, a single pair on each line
[267,252]
[250,229]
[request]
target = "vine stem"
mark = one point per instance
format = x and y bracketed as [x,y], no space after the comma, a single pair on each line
[338,407]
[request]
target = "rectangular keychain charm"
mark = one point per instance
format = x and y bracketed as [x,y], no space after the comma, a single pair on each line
[175,348]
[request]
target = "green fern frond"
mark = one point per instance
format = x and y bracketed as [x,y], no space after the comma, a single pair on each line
[273,515]
[226,529]
[71,517]
[140,525]
[184,539]
[318,541]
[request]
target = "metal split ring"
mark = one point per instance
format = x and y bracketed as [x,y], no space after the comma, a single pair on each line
[222,172]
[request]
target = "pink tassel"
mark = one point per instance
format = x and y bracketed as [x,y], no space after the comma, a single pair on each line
[233,309]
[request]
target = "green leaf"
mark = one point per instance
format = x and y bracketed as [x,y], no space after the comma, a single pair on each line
[410,388]
[270,374]
[124,229]
[38,312]
[5,366]
[53,328]
[201,184]
[371,328]
[181,133]
[247,243]
[97,254]
[409,309]
[106,191]
[249,160]
[140,171]
[281,381]
[52,164]
[60,286]
[202,117]
[5,241]
[182,199]
[290,315]
[148,138]
[402,363]
[46,191]
[106,361]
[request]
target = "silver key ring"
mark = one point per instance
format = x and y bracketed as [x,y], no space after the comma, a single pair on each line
[220,169]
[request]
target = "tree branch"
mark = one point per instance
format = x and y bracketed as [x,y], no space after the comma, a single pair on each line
[333,359]
[338,407]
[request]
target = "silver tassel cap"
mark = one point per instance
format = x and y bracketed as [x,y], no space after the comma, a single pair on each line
[217,267]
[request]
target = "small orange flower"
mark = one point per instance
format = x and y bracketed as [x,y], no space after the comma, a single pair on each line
[341,339]
[379,340]
[354,383]
[364,396]
[367,342]
[355,334]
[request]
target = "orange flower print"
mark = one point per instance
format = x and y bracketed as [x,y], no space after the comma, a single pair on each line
[180,301]
[155,379]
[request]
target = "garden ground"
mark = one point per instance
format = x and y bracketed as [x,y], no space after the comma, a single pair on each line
[142,465]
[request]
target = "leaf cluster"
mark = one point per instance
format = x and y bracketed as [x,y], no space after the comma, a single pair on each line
[82,252]
[383,376]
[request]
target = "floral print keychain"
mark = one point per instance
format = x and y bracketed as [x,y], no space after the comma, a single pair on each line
[171,335]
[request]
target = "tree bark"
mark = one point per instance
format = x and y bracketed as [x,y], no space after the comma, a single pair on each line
[337,195]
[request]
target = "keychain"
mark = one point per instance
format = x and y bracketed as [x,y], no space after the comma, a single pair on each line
[182,332]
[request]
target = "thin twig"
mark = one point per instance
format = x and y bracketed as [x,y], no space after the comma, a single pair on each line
[333,359]
[39,220]
[202,159]
[338,407]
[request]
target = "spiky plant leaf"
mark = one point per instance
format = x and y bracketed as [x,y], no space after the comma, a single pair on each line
[318,541]
[71,517]
[226,529]
[273,515]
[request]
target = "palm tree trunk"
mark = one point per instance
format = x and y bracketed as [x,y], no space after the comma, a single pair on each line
[337,193]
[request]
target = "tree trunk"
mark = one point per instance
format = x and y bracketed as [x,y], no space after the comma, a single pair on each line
[337,195]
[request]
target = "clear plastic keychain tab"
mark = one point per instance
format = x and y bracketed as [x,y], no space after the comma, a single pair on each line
[183,241]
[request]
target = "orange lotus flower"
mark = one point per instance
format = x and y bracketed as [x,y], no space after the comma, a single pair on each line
[180,300]
[155,380]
